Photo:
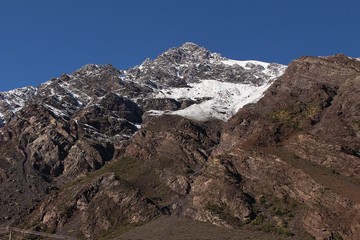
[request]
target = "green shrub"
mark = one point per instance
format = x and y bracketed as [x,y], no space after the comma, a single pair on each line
[224,212]
[275,229]
[259,219]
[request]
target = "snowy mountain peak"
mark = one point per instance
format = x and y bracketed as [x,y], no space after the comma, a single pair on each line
[218,86]
[188,52]
[188,80]
[190,45]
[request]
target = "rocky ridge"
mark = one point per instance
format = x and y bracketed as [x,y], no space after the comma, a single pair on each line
[12,101]
[180,77]
[102,149]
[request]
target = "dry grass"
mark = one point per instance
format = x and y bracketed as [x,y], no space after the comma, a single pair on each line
[179,228]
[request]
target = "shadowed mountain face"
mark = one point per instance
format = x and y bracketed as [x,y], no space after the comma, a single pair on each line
[100,151]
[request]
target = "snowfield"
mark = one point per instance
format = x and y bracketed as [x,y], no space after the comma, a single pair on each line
[222,99]
[225,98]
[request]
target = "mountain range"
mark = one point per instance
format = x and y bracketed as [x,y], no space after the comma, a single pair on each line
[188,139]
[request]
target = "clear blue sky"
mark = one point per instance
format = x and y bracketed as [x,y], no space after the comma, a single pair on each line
[41,39]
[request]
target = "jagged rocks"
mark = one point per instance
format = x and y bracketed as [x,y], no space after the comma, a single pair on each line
[218,199]
[12,101]
[124,108]
[174,137]
[95,206]
[163,104]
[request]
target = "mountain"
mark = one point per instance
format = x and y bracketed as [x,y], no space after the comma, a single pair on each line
[189,75]
[218,86]
[266,150]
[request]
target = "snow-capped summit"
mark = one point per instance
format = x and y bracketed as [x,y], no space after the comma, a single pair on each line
[218,85]
[188,52]
[188,80]
[225,96]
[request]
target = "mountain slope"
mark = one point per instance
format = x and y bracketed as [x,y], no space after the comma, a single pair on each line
[100,151]
[74,124]
[302,140]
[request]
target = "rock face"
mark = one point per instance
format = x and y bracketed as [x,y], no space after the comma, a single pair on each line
[96,207]
[306,142]
[96,152]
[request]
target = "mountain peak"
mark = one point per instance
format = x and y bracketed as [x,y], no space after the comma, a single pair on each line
[95,68]
[185,53]
[190,45]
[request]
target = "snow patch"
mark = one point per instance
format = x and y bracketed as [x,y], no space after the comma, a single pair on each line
[245,64]
[13,101]
[272,70]
[156,112]
[56,111]
[2,119]
[222,99]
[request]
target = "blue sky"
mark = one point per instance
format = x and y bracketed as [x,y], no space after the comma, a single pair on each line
[41,39]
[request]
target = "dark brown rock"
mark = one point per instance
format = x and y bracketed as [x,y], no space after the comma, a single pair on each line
[300,121]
